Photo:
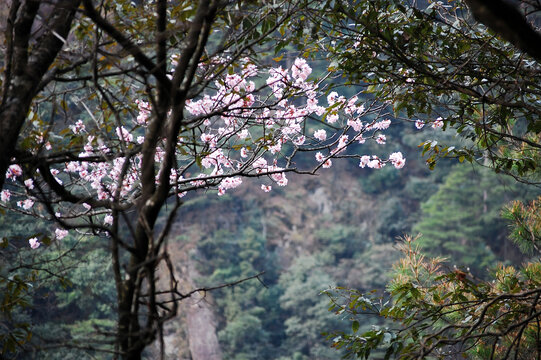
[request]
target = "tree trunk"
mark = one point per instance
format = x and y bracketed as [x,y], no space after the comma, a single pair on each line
[24,70]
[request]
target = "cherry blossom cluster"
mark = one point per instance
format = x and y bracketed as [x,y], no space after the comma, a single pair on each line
[237,129]
[436,124]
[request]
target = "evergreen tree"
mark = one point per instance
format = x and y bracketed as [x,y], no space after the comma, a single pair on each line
[450,223]
[462,221]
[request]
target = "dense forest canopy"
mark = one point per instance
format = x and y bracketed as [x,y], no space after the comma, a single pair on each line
[219,163]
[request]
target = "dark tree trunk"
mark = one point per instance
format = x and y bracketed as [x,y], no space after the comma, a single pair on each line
[29,52]
[507,21]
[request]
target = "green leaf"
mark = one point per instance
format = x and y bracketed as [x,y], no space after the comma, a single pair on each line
[46,240]
[355,326]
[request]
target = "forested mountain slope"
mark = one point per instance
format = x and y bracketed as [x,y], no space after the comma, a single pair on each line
[338,228]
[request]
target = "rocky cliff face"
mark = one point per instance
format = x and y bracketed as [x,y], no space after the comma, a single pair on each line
[201,323]
[192,334]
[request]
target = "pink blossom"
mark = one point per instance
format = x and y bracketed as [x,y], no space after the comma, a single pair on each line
[438,123]
[311,104]
[243,134]
[249,70]
[234,81]
[266,188]
[60,233]
[250,86]
[13,171]
[78,127]
[209,139]
[299,140]
[102,194]
[342,142]
[218,137]
[88,147]
[269,123]
[320,134]
[375,163]
[144,111]
[282,181]
[277,74]
[397,160]
[260,165]
[26,204]
[39,139]
[108,219]
[300,70]
[29,184]
[174,59]
[124,134]
[72,166]
[327,164]
[229,183]
[332,118]
[280,178]
[160,153]
[332,98]
[350,106]
[276,147]
[381,139]
[213,159]
[198,182]
[365,159]
[357,125]
[5,195]
[419,124]
[104,149]
[34,243]
[217,159]
[277,81]
[382,125]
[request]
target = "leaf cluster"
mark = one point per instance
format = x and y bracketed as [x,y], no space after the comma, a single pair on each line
[435,61]
[439,313]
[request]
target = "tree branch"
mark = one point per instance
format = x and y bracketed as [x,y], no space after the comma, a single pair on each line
[507,21]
